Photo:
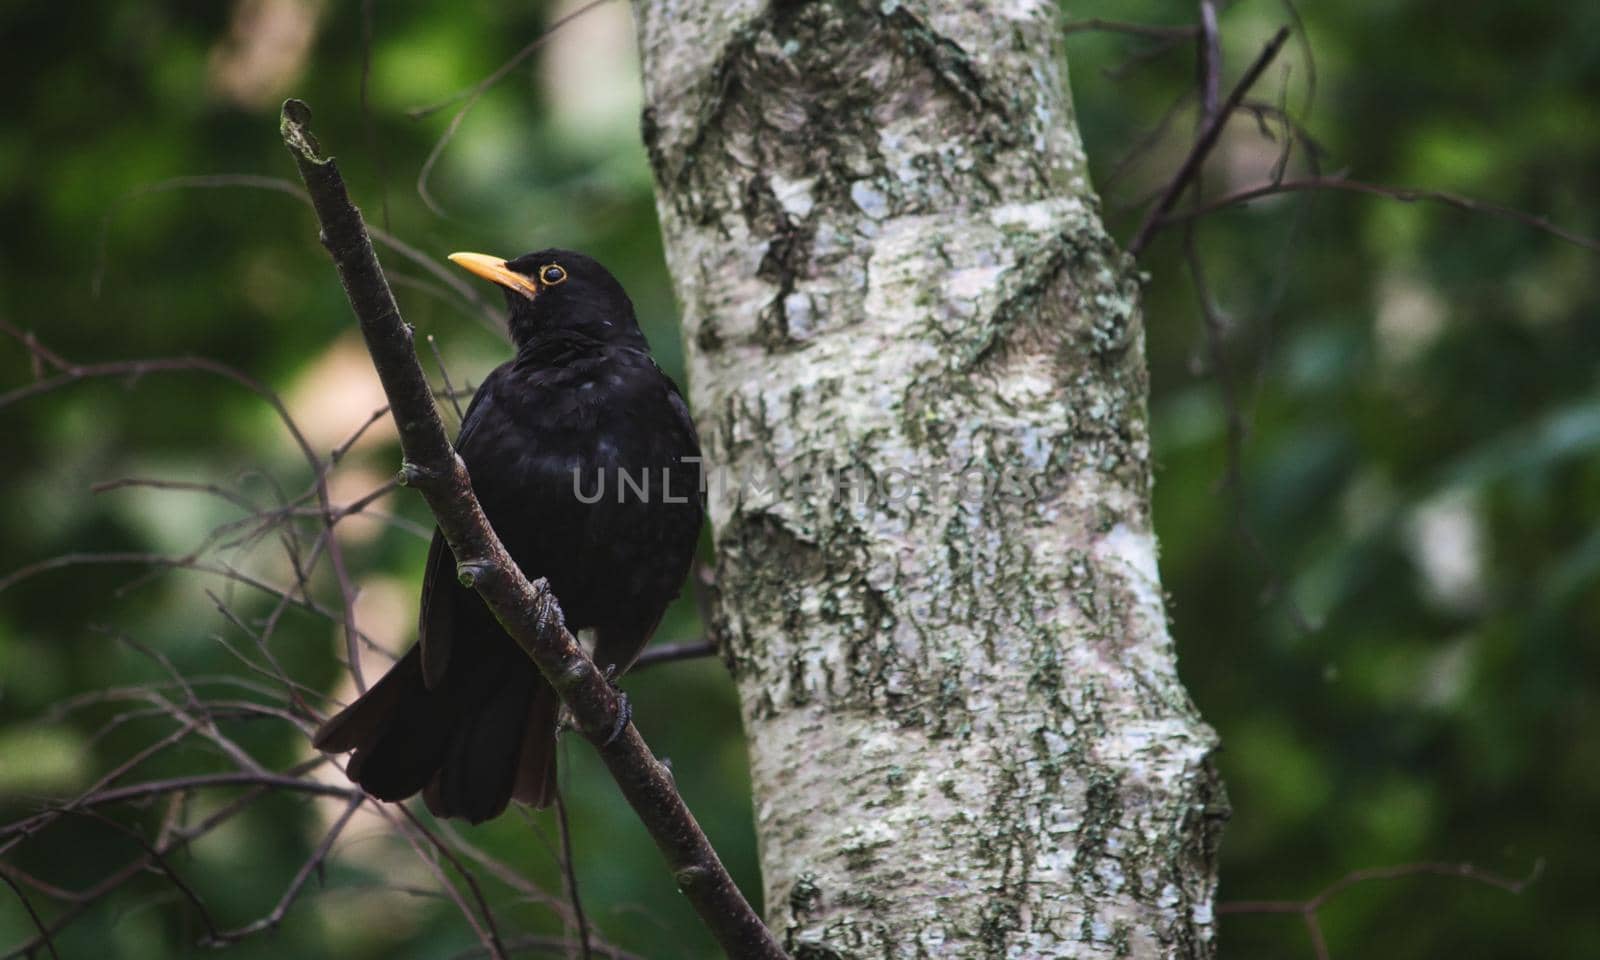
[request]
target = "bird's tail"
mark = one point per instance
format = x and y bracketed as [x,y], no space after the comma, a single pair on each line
[483,733]
[536,767]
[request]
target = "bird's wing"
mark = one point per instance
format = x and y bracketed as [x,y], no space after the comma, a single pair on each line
[435,623]
[440,588]
[476,408]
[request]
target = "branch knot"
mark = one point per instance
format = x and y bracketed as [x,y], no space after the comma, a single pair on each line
[469,572]
[415,474]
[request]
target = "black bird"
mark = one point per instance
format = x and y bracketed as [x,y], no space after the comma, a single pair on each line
[465,717]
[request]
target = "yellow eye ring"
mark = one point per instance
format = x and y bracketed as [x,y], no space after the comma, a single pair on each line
[552,274]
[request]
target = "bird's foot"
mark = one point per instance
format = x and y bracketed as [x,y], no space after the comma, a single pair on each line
[624,717]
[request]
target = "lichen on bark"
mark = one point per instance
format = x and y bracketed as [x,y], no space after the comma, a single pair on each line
[917,361]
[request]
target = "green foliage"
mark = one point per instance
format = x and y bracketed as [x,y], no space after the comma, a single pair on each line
[122,98]
[1390,618]
[1420,470]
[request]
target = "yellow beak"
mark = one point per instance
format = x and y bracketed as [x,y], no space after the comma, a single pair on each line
[495,270]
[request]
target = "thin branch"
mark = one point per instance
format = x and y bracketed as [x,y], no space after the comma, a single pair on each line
[1153,52]
[186,486]
[159,560]
[295,689]
[155,856]
[1151,30]
[198,715]
[466,874]
[1308,909]
[1203,144]
[548,944]
[671,652]
[527,610]
[374,145]
[17,831]
[81,902]
[1402,194]
[407,826]
[1237,431]
[12,872]
[569,871]
[312,864]
[1144,144]
[502,871]
[474,94]
[236,778]
[483,310]
[1308,53]
[1209,63]
[444,374]
[38,923]
[69,373]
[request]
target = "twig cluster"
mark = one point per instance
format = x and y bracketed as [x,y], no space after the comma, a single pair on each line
[187,710]
[184,710]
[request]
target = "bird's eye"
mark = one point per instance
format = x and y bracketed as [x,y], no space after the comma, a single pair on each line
[552,274]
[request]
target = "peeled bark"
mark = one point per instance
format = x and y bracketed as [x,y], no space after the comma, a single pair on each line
[917,362]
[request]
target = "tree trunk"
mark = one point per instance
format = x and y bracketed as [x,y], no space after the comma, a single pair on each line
[917,363]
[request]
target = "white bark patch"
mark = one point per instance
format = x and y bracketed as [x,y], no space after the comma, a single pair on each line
[794,195]
[869,199]
[1136,553]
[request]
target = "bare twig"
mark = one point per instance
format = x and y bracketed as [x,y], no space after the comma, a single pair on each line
[64,561]
[429,849]
[374,146]
[569,871]
[292,687]
[1144,144]
[1149,54]
[1402,194]
[472,95]
[69,373]
[1308,909]
[1151,30]
[527,610]
[82,901]
[444,374]
[1307,53]
[312,864]
[293,783]
[502,871]
[1209,63]
[151,483]
[1203,143]
[671,652]
[33,915]
[347,588]
[157,857]
[1237,430]
[547,944]
[482,310]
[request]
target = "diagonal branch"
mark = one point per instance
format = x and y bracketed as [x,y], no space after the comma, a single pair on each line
[1202,145]
[38,923]
[527,610]
[312,864]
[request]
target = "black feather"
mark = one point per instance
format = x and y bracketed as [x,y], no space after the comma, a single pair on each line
[465,717]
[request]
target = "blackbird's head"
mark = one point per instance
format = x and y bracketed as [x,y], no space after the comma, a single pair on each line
[558,291]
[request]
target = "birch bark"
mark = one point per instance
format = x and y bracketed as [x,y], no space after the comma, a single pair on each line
[917,361]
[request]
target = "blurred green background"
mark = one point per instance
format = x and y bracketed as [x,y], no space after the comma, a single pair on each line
[1391,617]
